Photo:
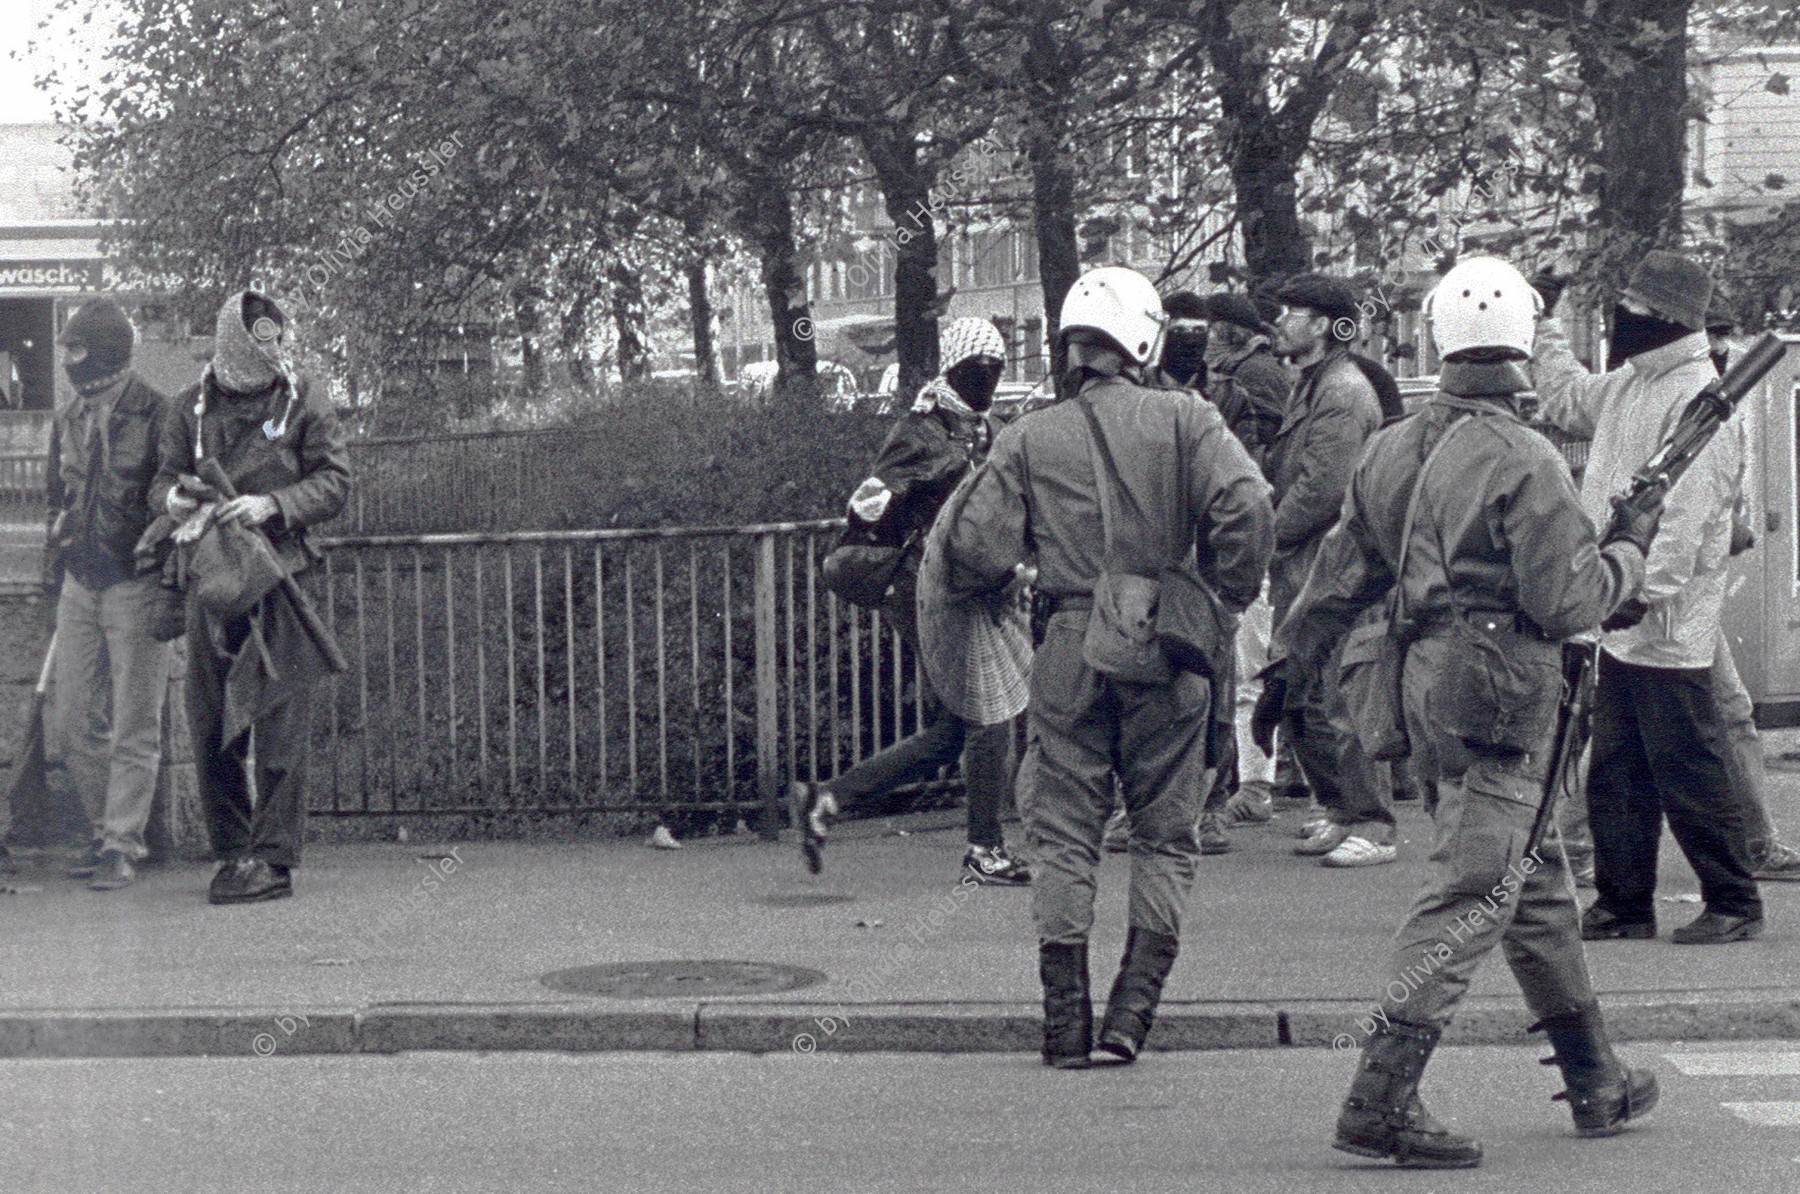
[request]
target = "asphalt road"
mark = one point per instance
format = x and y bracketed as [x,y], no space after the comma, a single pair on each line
[1235,1122]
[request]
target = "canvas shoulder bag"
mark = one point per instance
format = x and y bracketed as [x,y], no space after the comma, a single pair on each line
[1143,629]
[1373,658]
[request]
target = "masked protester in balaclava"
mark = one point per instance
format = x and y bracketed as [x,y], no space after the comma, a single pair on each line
[281,448]
[1662,748]
[1184,354]
[930,449]
[1657,309]
[103,451]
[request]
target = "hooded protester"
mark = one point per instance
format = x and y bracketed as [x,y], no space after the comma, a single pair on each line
[282,449]
[1659,748]
[1110,485]
[930,449]
[1466,515]
[111,673]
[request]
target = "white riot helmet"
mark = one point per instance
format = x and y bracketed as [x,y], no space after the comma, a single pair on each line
[1483,303]
[1121,305]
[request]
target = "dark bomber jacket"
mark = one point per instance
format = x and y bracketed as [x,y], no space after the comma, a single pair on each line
[102,491]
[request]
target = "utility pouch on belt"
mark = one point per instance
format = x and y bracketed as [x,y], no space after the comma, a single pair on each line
[1143,629]
[1497,689]
[1373,658]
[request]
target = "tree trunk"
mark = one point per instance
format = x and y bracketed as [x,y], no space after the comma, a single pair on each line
[1268,204]
[525,314]
[1639,89]
[574,340]
[705,323]
[1052,184]
[771,229]
[906,194]
[631,318]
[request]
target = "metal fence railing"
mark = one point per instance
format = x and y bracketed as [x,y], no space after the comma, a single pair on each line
[693,670]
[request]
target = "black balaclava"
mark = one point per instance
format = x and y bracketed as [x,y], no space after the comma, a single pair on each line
[975,379]
[1633,334]
[100,334]
[1184,354]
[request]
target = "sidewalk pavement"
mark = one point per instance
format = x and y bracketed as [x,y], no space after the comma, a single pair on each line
[370,957]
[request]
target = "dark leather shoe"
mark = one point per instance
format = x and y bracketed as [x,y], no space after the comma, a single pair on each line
[1716,928]
[257,881]
[225,884]
[1600,925]
[115,871]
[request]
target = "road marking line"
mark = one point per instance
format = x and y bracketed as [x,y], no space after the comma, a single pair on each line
[1767,1115]
[1736,1065]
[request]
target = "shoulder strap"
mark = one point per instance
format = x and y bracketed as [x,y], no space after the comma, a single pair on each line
[1106,473]
[1412,512]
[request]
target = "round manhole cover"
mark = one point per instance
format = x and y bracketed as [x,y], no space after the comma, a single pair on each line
[658,980]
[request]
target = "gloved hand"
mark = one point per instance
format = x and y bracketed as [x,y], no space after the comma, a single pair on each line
[1016,596]
[1635,519]
[1549,288]
[250,509]
[1271,706]
[1629,613]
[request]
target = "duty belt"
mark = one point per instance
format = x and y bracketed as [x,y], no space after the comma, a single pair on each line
[1492,620]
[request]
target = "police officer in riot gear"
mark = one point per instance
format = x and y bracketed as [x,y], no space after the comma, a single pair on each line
[1178,480]
[1500,567]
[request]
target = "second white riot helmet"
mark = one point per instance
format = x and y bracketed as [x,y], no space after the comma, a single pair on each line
[1120,304]
[1483,302]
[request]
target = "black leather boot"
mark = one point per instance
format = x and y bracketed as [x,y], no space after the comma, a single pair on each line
[1135,992]
[1068,1005]
[1603,1094]
[1382,1115]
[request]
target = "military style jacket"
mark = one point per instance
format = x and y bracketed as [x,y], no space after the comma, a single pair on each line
[99,481]
[1038,496]
[303,465]
[1499,530]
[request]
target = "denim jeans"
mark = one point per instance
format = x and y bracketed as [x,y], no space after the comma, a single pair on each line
[111,677]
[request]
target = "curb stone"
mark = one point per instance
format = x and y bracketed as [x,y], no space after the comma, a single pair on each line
[804,1028]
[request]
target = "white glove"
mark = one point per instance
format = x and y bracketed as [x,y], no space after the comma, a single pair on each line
[178,504]
[870,501]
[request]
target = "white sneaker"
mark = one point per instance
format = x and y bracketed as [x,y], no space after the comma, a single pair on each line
[1359,851]
[662,839]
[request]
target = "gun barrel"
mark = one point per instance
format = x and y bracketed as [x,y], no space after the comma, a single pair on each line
[1751,368]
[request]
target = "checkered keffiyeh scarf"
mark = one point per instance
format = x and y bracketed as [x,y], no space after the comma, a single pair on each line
[958,340]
